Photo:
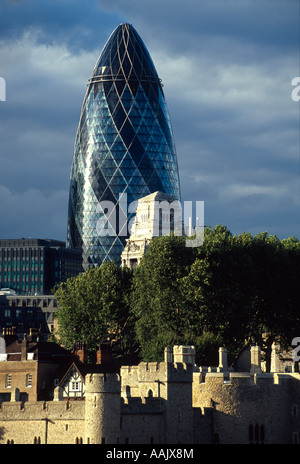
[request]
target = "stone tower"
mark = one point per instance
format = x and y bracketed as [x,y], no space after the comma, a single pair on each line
[156,214]
[102,408]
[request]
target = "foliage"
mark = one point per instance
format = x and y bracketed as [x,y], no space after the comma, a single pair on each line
[244,288]
[157,302]
[234,289]
[207,349]
[93,307]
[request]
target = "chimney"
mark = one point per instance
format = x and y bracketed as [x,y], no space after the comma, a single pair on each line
[33,335]
[24,349]
[255,360]
[9,334]
[79,351]
[104,354]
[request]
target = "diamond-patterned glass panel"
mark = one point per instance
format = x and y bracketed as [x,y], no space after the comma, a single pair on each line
[124,145]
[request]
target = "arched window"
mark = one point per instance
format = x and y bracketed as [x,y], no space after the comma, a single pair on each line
[251,432]
[262,434]
[150,394]
[256,433]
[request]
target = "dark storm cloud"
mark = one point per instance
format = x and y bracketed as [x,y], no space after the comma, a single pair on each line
[227,68]
[76,23]
[193,24]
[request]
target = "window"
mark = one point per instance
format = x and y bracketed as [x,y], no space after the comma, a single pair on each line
[256,434]
[29,380]
[75,386]
[8,381]
[295,410]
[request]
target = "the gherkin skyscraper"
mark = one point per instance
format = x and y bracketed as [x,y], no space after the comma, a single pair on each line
[124,148]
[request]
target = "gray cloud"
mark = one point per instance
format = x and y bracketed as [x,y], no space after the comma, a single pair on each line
[227,74]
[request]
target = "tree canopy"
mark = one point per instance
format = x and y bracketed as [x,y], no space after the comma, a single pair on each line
[245,289]
[94,307]
[232,290]
[157,302]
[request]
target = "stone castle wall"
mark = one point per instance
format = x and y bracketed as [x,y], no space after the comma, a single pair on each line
[240,401]
[164,403]
[42,422]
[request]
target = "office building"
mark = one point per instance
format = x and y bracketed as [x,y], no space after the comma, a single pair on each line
[124,148]
[35,266]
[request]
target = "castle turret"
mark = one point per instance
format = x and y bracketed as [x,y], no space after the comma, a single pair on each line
[184,354]
[102,408]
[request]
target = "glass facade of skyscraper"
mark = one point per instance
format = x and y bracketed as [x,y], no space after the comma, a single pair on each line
[35,266]
[124,148]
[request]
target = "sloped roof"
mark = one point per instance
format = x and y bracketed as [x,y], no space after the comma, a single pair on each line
[42,351]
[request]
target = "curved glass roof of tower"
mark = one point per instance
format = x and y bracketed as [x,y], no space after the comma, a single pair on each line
[124,148]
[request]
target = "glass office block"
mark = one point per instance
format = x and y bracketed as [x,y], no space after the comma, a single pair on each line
[124,145]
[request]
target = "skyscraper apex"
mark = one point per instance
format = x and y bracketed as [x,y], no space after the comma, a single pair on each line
[124,147]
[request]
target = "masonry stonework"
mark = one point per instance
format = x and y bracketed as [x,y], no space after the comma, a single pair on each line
[165,403]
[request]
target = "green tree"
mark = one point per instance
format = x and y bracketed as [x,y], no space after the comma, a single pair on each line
[94,307]
[291,248]
[157,302]
[217,287]
[244,288]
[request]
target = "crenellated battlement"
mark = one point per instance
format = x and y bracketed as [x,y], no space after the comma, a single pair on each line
[242,378]
[161,401]
[168,372]
[102,383]
[142,405]
[39,410]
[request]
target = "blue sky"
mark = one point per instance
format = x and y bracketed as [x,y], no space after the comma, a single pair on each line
[227,68]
